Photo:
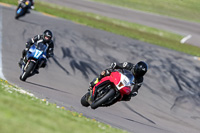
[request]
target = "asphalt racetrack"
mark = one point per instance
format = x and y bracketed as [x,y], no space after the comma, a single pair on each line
[168,101]
[184,28]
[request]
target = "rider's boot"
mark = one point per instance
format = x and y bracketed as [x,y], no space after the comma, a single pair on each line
[28,11]
[93,83]
[20,63]
[36,71]
[23,58]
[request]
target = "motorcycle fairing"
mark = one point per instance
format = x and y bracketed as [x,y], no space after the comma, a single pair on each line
[19,10]
[98,87]
[36,53]
[115,77]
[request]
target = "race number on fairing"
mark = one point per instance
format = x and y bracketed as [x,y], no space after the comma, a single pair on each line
[123,82]
[37,54]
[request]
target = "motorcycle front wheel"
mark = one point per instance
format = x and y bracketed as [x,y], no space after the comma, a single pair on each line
[105,98]
[20,14]
[84,101]
[26,73]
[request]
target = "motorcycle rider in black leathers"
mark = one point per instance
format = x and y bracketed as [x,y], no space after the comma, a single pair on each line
[23,1]
[138,71]
[46,38]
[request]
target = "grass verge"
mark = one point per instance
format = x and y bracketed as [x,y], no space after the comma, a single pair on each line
[22,113]
[135,31]
[183,9]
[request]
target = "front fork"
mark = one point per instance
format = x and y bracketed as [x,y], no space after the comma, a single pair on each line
[27,63]
[89,99]
[41,63]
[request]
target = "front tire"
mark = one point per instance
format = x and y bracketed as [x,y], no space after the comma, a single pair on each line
[17,16]
[22,13]
[26,73]
[98,103]
[84,101]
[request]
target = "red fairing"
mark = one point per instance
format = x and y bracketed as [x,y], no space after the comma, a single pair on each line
[102,80]
[114,77]
[125,91]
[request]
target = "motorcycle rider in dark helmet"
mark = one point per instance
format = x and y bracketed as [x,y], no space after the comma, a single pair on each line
[45,38]
[23,1]
[138,71]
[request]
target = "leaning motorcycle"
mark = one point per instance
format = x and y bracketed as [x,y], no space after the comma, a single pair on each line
[24,7]
[34,58]
[109,90]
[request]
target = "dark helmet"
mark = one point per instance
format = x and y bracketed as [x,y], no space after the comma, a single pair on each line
[47,35]
[140,69]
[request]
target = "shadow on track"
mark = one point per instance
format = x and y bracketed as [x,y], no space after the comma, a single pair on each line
[28,22]
[46,87]
[126,105]
[81,61]
[142,123]
[56,61]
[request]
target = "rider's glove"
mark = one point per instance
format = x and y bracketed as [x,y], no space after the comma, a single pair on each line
[26,49]
[113,65]
[44,56]
[106,72]
[32,7]
[50,55]
[28,45]
[133,94]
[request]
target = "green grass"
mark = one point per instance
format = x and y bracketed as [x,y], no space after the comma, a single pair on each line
[135,31]
[21,113]
[183,9]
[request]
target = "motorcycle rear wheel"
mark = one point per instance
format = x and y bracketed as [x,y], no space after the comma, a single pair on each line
[98,103]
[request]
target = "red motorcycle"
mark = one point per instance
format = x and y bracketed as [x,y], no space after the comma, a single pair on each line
[109,90]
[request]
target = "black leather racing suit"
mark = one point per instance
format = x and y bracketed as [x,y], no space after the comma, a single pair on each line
[23,1]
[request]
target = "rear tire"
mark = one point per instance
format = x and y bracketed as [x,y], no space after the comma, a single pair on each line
[26,73]
[84,101]
[98,103]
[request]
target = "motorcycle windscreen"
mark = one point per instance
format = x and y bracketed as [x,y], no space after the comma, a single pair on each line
[42,47]
[122,79]
[37,50]
[129,75]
